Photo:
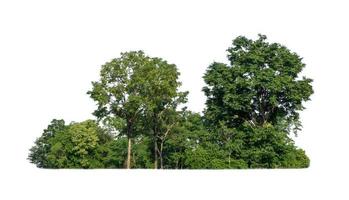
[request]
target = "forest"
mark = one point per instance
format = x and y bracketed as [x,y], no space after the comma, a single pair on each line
[252,112]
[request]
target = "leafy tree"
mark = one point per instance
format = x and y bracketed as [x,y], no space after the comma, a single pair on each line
[118,96]
[39,152]
[158,84]
[117,152]
[192,146]
[186,135]
[84,139]
[142,157]
[260,85]
[253,103]
[269,147]
[136,87]
[78,145]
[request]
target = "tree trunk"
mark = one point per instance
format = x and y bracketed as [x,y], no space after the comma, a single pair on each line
[155,154]
[229,159]
[156,148]
[129,146]
[128,164]
[160,155]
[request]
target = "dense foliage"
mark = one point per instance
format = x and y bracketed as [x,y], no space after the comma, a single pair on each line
[252,110]
[77,145]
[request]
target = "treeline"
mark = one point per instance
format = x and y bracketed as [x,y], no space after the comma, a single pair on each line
[252,109]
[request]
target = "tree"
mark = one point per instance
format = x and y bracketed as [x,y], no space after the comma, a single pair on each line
[260,85]
[84,139]
[77,145]
[186,135]
[158,84]
[260,88]
[141,152]
[118,96]
[268,147]
[39,152]
[192,146]
[253,107]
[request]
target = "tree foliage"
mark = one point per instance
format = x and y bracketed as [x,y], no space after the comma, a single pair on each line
[39,152]
[118,95]
[261,84]
[252,109]
[77,145]
[158,82]
[253,103]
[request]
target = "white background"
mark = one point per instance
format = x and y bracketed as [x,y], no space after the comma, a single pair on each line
[50,51]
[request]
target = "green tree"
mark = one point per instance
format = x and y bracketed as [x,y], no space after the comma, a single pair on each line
[77,145]
[187,134]
[268,147]
[118,96]
[260,85]
[192,146]
[142,157]
[39,152]
[260,88]
[141,152]
[253,105]
[158,84]
[116,152]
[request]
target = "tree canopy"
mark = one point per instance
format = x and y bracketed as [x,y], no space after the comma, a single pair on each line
[254,101]
[252,109]
[118,95]
[77,145]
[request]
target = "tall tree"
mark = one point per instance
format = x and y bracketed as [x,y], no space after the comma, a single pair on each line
[261,84]
[258,95]
[158,85]
[118,96]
